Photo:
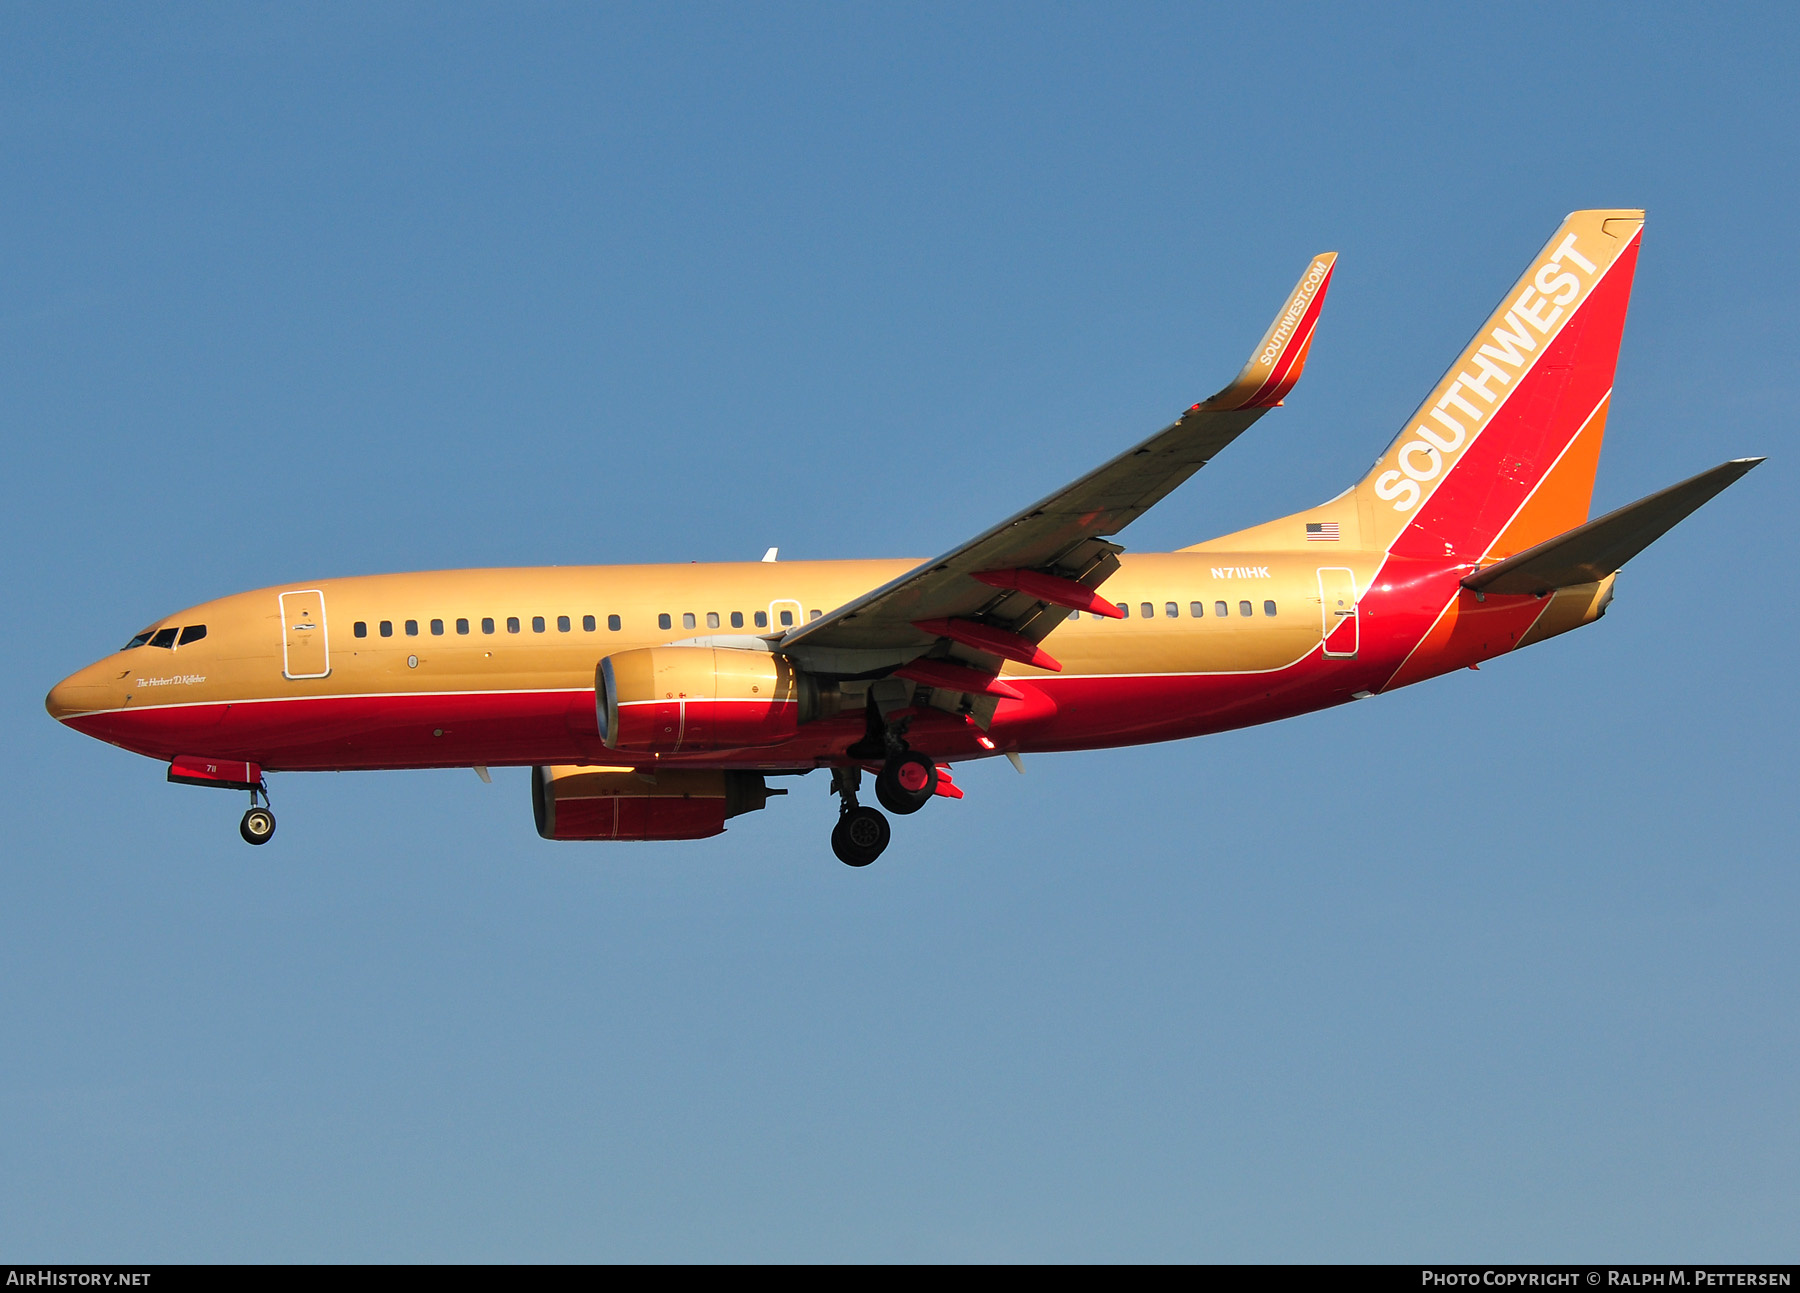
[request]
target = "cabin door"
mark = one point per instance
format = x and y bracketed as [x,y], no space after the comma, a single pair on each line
[796,616]
[1337,606]
[304,650]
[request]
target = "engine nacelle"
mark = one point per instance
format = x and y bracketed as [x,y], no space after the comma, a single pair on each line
[670,699]
[575,803]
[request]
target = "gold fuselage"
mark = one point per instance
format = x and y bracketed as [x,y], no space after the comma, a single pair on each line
[410,690]
[241,658]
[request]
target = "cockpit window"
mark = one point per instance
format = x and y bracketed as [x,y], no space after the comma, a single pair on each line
[167,637]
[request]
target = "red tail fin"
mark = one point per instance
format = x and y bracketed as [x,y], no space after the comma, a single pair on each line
[1503,453]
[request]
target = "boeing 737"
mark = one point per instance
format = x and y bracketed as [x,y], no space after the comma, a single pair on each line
[656,702]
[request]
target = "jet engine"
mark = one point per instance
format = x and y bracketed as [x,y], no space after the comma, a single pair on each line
[575,803]
[673,699]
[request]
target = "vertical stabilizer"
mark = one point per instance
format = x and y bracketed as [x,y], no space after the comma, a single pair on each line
[1502,453]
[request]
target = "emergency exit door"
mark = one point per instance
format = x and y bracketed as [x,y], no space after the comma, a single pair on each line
[1337,607]
[304,650]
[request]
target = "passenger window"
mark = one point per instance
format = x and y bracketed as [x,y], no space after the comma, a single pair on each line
[1074,615]
[537,623]
[360,629]
[614,623]
[1197,610]
[737,619]
[387,628]
[1245,610]
[712,619]
[1269,609]
[164,638]
[664,622]
[412,628]
[437,628]
[813,615]
[687,620]
[762,619]
[587,624]
[462,626]
[139,640]
[192,633]
[562,624]
[787,619]
[1171,610]
[1149,610]
[512,623]
[1221,609]
[487,624]
[1124,610]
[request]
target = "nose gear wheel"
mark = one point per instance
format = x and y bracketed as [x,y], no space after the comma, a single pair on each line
[258,826]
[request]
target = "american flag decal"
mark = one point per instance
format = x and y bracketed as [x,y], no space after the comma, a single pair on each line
[1321,531]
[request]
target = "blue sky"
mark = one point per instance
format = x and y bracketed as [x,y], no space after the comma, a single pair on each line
[1500,966]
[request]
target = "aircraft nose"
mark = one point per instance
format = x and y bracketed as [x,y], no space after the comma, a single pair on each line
[81,692]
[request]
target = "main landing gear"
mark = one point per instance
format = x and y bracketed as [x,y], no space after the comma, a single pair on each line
[861,833]
[904,785]
[258,825]
[906,782]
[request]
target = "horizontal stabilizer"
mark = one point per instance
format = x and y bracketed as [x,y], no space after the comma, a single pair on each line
[1593,551]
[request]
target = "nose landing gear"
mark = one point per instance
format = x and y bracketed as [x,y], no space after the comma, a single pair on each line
[258,825]
[861,833]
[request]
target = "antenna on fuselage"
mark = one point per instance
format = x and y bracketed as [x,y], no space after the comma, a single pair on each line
[770,554]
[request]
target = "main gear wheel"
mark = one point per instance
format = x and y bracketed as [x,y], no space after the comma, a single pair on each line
[860,836]
[906,783]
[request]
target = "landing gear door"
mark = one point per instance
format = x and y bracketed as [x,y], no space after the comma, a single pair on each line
[1337,605]
[304,650]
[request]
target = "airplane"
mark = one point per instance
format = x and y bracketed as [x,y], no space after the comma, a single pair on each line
[655,702]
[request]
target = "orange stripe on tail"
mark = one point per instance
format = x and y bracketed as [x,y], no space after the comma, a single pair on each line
[1561,500]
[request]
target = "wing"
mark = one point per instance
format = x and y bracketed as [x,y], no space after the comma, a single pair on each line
[998,595]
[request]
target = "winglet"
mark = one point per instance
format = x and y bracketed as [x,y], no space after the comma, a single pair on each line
[1281,357]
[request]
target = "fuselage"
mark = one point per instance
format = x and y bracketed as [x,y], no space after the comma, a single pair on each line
[497,667]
